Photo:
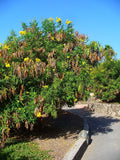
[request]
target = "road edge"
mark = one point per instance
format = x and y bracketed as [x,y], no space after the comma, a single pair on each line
[77,150]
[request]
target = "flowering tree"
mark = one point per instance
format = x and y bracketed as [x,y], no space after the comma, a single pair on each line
[42,69]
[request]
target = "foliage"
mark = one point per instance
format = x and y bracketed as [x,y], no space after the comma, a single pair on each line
[44,68]
[23,150]
[106,80]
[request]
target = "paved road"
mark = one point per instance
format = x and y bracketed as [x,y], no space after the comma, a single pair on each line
[104,133]
[105,136]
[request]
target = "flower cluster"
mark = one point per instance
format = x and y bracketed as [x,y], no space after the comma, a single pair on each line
[22,32]
[58,20]
[39,114]
[7,65]
[38,60]
[6,47]
[68,22]
[26,59]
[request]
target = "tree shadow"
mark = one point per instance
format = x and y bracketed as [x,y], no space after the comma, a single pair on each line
[66,125]
[98,123]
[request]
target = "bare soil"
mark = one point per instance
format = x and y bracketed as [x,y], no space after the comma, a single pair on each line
[60,134]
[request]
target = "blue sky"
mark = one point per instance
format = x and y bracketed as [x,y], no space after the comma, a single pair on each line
[100,19]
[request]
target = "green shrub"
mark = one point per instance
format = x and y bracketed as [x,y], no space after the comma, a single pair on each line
[106,80]
[42,69]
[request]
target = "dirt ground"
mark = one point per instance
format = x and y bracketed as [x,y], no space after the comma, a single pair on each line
[60,134]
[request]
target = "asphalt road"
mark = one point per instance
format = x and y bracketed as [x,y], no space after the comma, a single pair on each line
[105,138]
[104,135]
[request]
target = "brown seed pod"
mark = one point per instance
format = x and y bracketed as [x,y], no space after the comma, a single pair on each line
[19,72]
[31,126]
[20,94]
[26,124]
[22,87]
[18,125]
[8,131]
[36,111]
[0,98]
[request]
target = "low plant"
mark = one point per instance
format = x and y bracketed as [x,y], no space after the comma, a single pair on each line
[24,151]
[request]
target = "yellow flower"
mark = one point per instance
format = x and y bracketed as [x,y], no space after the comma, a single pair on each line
[39,114]
[81,40]
[22,32]
[45,86]
[52,38]
[6,47]
[18,101]
[7,65]
[83,63]
[27,92]
[51,19]
[0,44]
[26,59]
[53,69]
[72,34]
[38,60]
[68,56]
[6,77]
[19,109]
[68,22]
[21,99]
[58,20]
[75,100]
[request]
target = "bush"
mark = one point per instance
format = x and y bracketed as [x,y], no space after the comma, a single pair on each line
[106,80]
[42,69]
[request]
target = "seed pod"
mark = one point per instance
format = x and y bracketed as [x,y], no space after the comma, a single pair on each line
[31,126]
[36,111]
[18,125]
[8,131]
[0,98]
[26,124]
[22,87]
[20,94]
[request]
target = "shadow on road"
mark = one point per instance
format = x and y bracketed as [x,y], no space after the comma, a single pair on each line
[98,123]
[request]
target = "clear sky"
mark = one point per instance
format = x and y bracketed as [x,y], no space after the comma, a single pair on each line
[100,19]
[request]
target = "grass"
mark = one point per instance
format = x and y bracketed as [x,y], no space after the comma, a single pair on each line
[15,150]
